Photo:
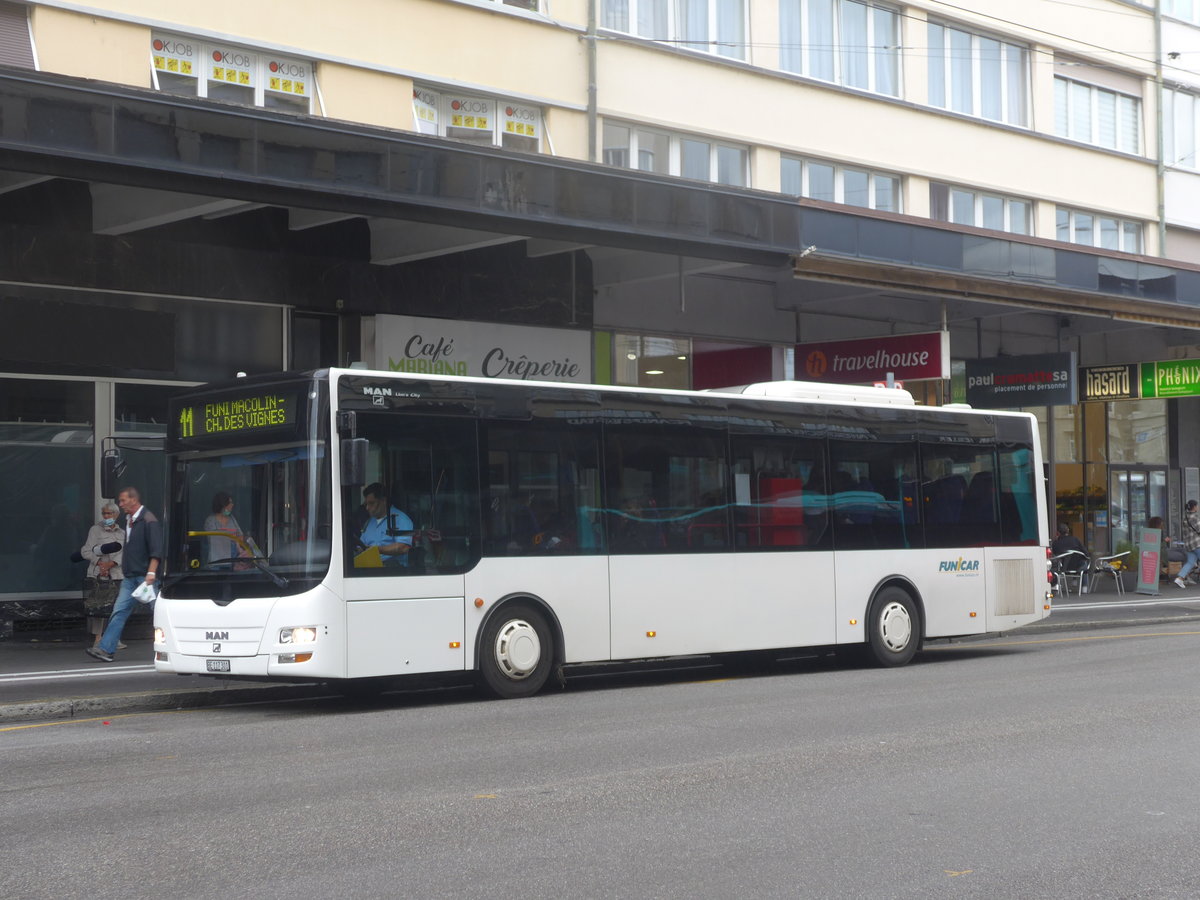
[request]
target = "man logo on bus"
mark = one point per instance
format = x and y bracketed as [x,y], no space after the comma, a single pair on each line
[815,364]
[958,565]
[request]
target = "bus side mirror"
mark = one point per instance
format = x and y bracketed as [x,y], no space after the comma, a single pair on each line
[354,461]
[112,470]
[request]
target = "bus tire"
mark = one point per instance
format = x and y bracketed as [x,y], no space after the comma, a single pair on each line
[893,628]
[516,652]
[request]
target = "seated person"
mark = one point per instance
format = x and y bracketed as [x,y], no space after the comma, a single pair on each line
[1065,543]
[226,552]
[386,527]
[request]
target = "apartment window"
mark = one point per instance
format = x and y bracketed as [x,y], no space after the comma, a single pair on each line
[967,207]
[711,26]
[667,153]
[1188,10]
[1098,230]
[839,184]
[1180,136]
[978,75]
[478,120]
[190,68]
[1093,115]
[852,43]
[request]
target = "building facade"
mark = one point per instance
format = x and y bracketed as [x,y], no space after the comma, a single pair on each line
[661,192]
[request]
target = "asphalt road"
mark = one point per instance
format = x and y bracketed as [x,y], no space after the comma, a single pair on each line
[1060,764]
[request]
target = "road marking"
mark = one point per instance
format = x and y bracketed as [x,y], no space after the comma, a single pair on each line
[157,712]
[1122,604]
[1067,640]
[56,674]
[954,874]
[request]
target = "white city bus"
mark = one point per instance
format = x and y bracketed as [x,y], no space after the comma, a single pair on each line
[558,524]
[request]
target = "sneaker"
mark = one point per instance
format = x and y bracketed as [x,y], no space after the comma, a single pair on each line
[121,645]
[99,654]
[1179,582]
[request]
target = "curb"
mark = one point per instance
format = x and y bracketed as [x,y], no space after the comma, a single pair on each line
[83,707]
[1089,624]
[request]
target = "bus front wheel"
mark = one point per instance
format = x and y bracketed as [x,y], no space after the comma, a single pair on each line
[516,652]
[894,628]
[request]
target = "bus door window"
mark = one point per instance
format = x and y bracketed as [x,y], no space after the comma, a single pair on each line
[542,494]
[779,493]
[958,488]
[869,483]
[428,468]
[666,492]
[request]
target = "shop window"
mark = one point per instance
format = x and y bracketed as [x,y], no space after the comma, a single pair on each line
[649,361]
[665,493]
[188,67]
[1137,431]
[839,184]
[140,417]
[709,26]
[847,42]
[1094,115]
[964,206]
[977,75]
[1187,10]
[46,441]
[1097,230]
[669,153]
[478,120]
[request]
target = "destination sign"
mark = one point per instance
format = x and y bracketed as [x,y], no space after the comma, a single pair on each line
[236,415]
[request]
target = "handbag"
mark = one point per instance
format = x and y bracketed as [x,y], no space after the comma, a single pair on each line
[99,595]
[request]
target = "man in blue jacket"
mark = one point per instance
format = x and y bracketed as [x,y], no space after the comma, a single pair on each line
[143,556]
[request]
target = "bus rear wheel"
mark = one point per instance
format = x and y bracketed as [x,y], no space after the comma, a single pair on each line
[516,652]
[894,628]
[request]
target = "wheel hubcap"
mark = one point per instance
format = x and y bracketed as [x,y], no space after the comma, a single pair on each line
[518,649]
[895,627]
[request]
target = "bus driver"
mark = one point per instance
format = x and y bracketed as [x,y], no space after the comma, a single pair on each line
[386,528]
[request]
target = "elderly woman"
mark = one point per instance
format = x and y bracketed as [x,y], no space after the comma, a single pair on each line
[104,567]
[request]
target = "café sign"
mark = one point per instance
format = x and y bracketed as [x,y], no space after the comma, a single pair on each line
[477,349]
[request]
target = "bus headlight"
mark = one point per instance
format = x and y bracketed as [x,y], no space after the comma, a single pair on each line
[303,635]
[160,636]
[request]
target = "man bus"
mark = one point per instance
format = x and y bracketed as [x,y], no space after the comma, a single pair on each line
[550,525]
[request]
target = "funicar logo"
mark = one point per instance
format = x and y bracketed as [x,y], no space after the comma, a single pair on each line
[958,565]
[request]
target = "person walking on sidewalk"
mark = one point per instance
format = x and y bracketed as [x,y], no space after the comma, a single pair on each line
[1191,541]
[143,555]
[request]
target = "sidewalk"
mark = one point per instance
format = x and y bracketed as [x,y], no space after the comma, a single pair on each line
[58,680]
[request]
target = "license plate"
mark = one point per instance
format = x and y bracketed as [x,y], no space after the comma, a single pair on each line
[216,665]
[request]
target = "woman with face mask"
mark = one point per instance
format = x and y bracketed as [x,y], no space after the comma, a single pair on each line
[104,569]
[225,552]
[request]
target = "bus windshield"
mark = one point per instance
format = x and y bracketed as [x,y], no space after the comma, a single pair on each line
[257,519]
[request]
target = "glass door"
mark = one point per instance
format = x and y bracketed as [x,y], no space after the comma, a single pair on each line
[1137,495]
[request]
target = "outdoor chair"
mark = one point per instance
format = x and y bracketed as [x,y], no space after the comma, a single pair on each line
[1108,565]
[1070,568]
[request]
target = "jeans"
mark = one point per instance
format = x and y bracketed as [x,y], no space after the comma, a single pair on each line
[122,608]
[1192,558]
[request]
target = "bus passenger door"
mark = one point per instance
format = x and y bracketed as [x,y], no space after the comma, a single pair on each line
[405,610]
